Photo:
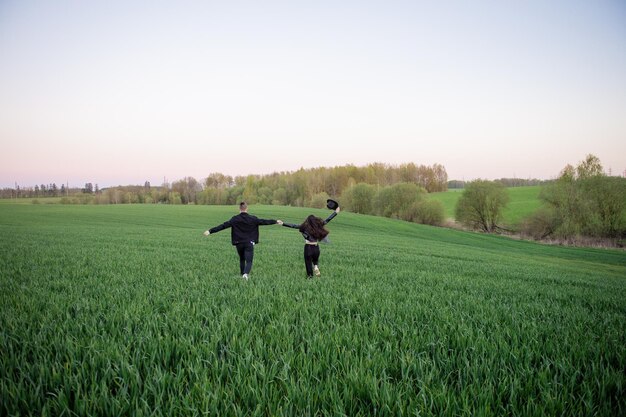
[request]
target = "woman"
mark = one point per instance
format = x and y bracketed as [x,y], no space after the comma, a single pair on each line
[313,231]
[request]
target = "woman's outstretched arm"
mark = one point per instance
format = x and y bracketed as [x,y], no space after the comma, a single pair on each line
[332,215]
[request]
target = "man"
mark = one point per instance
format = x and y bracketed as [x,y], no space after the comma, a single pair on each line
[244,235]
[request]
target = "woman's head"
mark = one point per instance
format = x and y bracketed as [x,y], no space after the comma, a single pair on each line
[314,226]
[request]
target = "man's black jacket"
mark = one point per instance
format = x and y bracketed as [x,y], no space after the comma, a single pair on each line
[245,228]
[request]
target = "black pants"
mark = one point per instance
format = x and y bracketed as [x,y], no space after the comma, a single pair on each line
[311,257]
[246,253]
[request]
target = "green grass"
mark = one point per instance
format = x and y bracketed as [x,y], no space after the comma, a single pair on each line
[448,199]
[34,200]
[523,202]
[129,310]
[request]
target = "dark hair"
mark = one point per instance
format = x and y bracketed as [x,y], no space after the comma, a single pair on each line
[314,226]
[243,206]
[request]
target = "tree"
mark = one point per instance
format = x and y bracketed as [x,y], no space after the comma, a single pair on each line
[590,167]
[279,198]
[218,180]
[186,190]
[481,204]
[250,190]
[604,200]
[235,195]
[441,179]
[265,195]
[113,196]
[581,202]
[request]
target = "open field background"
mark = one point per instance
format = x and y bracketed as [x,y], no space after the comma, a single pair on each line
[523,202]
[116,310]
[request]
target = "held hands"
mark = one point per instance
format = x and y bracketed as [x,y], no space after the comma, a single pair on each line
[279,222]
[206,233]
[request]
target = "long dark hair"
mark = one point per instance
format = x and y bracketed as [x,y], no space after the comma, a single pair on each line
[314,226]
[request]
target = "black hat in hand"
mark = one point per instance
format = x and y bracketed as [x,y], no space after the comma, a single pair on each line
[332,204]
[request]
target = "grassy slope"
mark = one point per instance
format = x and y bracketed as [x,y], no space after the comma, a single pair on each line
[133,305]
[523,202]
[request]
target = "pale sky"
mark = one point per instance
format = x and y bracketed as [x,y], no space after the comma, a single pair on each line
[123,92]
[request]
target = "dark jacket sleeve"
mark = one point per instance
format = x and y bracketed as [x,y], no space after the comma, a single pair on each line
[293,226]
[263,222]
[332,216]
[222,226]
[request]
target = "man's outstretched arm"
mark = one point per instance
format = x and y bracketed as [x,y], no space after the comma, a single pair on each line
[216,229]
[264,222]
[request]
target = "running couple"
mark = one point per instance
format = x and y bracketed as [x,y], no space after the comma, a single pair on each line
[245,234]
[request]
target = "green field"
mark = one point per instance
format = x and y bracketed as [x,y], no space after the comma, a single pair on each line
[129,310]
[523,202]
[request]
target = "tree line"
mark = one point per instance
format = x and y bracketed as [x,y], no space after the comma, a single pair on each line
[305,187]
[507,182]
[39,190]
[582,201]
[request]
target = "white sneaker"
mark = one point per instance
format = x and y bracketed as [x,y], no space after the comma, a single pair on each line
[245,276]
[316,271]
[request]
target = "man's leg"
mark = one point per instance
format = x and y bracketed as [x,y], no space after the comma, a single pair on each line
[242,258]
[248,255]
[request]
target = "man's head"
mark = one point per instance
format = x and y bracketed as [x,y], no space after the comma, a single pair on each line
[243,207]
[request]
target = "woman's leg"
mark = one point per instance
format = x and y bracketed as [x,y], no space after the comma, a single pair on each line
[315,258]
[308,259]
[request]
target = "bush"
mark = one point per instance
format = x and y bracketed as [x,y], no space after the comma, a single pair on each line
[358,198]
[395,200]
[174,198]
[319,200]
[429,212]
[540,224]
